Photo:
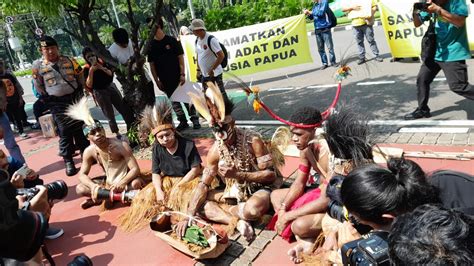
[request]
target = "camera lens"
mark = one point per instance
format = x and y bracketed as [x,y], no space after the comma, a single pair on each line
[81,260]
[336,211]
[57,190]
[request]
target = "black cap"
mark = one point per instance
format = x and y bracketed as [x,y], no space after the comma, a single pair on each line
[47,41]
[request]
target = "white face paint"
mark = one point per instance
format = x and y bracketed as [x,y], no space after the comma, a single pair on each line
[221,135]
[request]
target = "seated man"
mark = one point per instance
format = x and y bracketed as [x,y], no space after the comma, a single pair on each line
[300,208]
[114,156]
[241,160]
[346,144]
[432,235]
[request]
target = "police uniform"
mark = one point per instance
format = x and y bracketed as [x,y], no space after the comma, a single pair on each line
[59,87]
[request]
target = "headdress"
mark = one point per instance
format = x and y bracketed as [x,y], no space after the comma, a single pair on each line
[80,111]
[210,104]
[157,118]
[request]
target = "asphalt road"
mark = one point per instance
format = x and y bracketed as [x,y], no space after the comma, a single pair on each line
[381,91]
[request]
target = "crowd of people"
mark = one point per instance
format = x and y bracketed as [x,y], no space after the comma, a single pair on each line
[339,195]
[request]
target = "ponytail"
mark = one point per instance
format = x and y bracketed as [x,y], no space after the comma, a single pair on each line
[371,191]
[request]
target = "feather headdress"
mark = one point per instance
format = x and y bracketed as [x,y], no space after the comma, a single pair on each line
[80,111]
[348,138]
[157,118]
[210,104]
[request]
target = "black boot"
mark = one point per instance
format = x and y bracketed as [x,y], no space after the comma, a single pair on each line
[70,167]
[417,114]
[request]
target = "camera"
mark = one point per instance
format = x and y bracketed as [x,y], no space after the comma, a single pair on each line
[124,196]
[370,250]
[337,210]
[421,5]
[56,190]
[81,260]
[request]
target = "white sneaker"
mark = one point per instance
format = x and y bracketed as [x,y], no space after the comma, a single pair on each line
[24,136]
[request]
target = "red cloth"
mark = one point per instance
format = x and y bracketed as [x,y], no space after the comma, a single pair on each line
[309,196]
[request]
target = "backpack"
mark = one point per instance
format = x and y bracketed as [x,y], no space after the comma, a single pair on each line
[332,18]
[224,50]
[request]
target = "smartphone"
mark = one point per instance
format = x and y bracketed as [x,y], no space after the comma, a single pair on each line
[23,171]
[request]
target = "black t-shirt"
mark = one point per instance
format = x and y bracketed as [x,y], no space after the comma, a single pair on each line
[164,55]
[178,164]
[101,80]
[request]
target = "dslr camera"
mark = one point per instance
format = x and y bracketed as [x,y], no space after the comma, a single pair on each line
[56,190]
[372,249]
[337,210]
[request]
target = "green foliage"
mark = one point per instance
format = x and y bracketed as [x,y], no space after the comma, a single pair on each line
[252,12]
[195,236]
[151,139]
[22,73]
[133,134]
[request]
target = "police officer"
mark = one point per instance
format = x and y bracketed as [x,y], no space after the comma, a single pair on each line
[59,80]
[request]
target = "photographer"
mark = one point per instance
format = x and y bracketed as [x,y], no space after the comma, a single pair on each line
[23,223]
[23,177]
[432,235]
[450,50]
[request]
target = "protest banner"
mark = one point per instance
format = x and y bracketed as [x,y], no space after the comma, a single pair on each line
[403,38]
[258,47]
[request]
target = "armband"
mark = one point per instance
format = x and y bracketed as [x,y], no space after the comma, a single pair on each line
[304,168]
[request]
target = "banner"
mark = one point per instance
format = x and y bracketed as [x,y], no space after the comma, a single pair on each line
[403,38]
[258,47]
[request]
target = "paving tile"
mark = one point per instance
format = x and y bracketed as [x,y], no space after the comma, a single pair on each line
[393,138]
[235,236]
[260,242]
[269,234]
[244,242]
[239,262]
[430,138]
[416,138]
[250,254]
[235,249]
[445,139]
[471,139]
[404,138]
[461,139]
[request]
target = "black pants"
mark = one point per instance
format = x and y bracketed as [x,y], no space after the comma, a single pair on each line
[456,75]
[108,98]
[70,131]
[39,109]
[178,109]
[218,81]
[15,114]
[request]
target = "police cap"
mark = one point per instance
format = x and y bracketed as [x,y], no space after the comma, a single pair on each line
[47,41]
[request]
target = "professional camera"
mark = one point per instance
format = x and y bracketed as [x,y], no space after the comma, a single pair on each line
[81,260]
[56,190]
[337,210]
[124,197]
[421,5]
[369,250]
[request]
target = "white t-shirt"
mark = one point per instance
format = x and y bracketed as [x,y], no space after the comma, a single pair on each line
[121,54]
[206,57]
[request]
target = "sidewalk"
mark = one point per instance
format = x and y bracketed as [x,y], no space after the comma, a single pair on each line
[96,234]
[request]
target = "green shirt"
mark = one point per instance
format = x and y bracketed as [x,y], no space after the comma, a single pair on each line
[451,41]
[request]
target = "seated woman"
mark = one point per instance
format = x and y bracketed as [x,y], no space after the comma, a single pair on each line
[175,165]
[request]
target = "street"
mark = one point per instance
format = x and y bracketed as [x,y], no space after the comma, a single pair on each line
[380,91]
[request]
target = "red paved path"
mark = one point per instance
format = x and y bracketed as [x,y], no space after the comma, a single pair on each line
[95,234]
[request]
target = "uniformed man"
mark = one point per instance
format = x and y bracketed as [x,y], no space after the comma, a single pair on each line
[59,81]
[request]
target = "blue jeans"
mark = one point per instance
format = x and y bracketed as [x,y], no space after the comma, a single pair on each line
[324,37]
[9,139]
[368,31]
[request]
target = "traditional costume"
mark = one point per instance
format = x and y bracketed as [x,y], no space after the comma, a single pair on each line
[171,167]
